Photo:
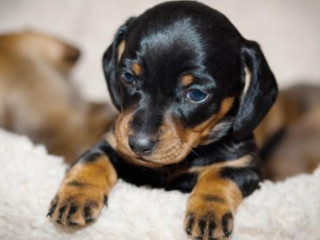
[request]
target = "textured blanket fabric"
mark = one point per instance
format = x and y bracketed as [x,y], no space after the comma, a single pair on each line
[30,177]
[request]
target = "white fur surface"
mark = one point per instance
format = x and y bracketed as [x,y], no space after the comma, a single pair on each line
[29,178]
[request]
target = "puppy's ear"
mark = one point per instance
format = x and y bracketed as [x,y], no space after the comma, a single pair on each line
[261,92]
[110,62]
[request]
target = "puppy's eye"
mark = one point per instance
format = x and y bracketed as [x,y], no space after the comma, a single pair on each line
[196,95]
[128,77]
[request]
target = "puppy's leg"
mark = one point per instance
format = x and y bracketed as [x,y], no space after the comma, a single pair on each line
[85,188]
[216,196]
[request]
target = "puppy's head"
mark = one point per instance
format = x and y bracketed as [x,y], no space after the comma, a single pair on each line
[177,75]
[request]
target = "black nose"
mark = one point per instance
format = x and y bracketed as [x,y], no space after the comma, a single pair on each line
[141,144]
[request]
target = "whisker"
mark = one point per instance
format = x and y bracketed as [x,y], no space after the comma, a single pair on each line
[201,148]
[194,152]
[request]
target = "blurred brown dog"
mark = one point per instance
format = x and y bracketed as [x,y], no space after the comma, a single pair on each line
[37,98]
[289,135]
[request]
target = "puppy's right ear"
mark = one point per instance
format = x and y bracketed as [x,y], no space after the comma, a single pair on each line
[110,62]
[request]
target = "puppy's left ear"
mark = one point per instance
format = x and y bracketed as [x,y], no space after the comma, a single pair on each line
[261,92]
[110,62]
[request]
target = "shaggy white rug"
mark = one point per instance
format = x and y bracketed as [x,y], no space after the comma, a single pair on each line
[29,178]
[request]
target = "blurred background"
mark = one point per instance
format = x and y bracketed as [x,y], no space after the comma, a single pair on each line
[288,31]
[54,97]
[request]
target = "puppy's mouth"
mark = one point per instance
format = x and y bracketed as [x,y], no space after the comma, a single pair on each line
[141,158]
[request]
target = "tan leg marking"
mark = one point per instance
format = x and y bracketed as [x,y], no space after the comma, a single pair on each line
[83,192]
[212,204]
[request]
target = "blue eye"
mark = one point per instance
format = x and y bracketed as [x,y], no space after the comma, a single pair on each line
[197,95]
[128,77]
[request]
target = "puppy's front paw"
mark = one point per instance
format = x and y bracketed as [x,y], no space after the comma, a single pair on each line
[77,203]
[208,218]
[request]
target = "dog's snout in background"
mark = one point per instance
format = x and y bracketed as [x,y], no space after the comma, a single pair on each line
[38,98]
[72,54]
[69,57]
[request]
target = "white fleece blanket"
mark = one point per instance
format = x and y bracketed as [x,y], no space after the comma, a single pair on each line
[29,178]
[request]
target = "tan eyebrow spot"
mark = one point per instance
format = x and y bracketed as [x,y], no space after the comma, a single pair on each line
[137,69]
[187,80]
[121,48]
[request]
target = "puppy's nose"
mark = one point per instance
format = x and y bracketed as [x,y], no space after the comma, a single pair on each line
[141,144]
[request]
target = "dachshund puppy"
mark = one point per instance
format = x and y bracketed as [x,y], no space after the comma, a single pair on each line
[177,74]
[38,99]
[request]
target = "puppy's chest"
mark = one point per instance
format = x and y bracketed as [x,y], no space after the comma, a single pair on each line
[173,177]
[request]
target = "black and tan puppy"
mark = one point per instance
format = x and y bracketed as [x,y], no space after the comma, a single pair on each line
[177,74]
